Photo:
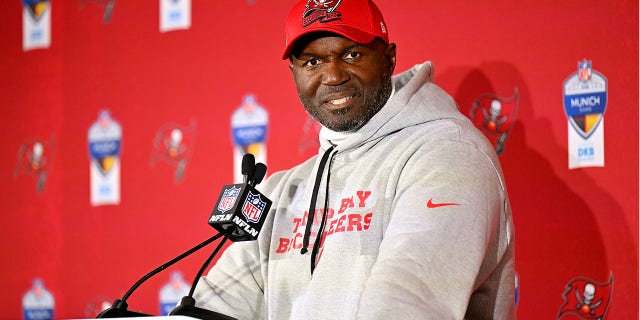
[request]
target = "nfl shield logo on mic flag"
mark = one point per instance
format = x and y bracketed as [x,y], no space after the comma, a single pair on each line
[228,199]
[253,207]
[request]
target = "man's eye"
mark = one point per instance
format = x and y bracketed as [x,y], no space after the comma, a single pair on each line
[311,63]
[351,55]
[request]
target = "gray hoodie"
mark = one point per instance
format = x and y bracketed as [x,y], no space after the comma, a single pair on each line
[414,219]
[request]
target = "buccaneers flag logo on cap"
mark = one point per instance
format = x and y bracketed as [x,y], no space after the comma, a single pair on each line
[322,10]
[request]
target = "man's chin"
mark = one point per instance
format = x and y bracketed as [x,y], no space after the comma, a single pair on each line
[344,126]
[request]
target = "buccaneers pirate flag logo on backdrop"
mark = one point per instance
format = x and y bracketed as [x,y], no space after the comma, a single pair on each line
[586,298]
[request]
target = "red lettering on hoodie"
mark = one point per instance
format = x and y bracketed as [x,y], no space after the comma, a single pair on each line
[362,196]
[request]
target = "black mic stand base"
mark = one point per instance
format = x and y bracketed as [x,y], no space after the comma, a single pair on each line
[119,310]
[187,308]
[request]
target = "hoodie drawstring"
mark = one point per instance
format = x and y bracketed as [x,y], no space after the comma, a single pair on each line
[312,209]
[320,236]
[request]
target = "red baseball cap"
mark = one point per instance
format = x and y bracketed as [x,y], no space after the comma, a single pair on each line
[358,20]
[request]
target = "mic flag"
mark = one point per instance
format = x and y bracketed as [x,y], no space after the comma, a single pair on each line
[241,208]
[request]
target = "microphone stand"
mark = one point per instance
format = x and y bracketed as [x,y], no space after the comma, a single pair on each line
[187,304]
[253,174]
[119,307]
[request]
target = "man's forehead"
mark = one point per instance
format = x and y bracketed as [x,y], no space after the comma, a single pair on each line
[320,41]
[313,36]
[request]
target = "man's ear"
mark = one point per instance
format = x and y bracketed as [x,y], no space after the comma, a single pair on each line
[390,53]
[291,66]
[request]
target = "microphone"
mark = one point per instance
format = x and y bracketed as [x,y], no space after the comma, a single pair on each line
[238,214]
[259,173]
[241,209]
[248,167]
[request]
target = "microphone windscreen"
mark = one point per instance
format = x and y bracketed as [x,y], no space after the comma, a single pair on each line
[260,172]
[248,164]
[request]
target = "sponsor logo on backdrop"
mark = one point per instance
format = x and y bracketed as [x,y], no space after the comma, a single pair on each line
[585,102]
[172,292]
[34,159]
[175,15]
[586,298]
[249,124]
[36,24]
[494,116]
[38,303]
[105,140]
[173,144]
[36,8]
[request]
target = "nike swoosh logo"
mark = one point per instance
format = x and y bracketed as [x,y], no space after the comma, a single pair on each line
[432,205]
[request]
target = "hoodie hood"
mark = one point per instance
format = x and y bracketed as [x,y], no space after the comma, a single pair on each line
[417,100]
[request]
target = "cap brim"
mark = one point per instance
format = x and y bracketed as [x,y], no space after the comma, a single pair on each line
[346,31]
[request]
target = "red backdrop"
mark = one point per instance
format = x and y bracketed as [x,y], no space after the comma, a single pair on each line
[569,223]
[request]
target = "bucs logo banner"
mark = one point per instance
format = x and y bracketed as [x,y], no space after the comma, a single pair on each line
[36,24]
[105,137]
[34,159]
[585,101]
[495,116]
[173,144]
[586,298]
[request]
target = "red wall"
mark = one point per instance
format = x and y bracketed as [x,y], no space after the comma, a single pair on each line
[569,223]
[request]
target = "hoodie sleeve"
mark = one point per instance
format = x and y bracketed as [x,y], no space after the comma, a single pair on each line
[444,237]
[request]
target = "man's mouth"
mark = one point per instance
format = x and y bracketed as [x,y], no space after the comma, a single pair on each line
[340,102]
[337,102]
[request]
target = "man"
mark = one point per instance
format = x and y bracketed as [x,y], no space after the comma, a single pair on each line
[403,214]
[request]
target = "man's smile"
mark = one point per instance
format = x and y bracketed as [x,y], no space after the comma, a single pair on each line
[338,103]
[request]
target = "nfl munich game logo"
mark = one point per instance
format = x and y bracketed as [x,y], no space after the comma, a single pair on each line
[585,99]
[228,199]
[253,207]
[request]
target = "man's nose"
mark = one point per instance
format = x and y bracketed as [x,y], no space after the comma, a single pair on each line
[335,74]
